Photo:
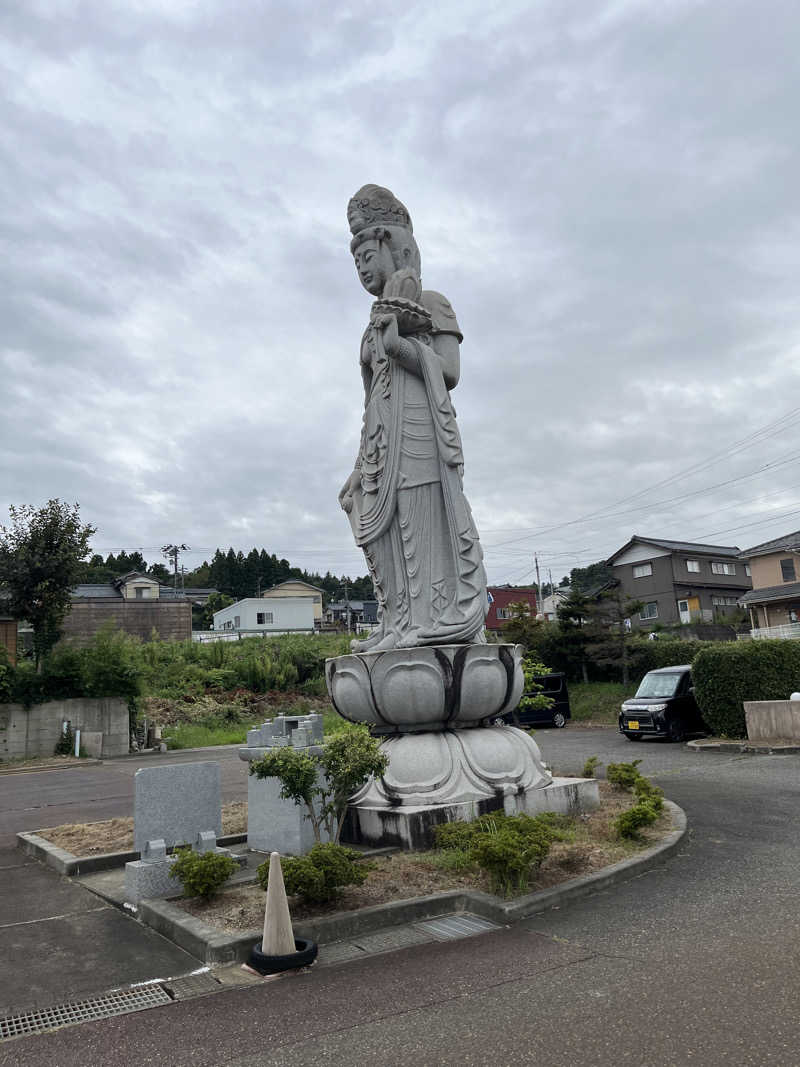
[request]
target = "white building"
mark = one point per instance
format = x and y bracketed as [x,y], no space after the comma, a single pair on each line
[276,615]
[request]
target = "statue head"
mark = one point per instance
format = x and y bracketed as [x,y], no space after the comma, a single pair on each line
[383,237]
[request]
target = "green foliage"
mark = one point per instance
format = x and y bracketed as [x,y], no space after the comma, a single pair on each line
[725,675]
[324,783]
[320,875]
[623,775]
[630,822]
[590,767]
[110,665]
[41,556]
[533,699]
[6,676]
[508,847]
[202,874]
[203,735]
[65,745]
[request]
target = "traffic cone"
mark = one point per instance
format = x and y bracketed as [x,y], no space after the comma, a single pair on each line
[279,950]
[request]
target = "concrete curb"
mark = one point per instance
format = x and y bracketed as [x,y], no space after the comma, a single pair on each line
[214,946]
[68,864]
[756,748]
[85,761]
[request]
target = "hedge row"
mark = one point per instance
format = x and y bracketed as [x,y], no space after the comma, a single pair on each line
[725,675]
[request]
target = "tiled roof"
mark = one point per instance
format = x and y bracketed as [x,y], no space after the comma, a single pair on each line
[787,591]
[97,591]
[679,546]
[787,541]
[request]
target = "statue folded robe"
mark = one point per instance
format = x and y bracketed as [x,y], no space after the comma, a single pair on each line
[409,513]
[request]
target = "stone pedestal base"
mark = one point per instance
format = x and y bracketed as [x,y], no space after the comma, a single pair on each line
[413,827]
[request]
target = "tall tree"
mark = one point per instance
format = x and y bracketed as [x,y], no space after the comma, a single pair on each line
[41,560]
[608,630]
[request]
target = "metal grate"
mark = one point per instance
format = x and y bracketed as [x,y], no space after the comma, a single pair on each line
[80,1011]
[451,927]
[394,938]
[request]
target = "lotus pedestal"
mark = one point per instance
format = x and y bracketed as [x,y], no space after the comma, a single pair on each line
[434,705]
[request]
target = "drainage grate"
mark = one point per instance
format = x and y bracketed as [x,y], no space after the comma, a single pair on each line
[80,1011]
[394,938]
[453,926]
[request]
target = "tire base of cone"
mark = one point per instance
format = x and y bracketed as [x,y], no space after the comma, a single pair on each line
[305,953]
[279,950]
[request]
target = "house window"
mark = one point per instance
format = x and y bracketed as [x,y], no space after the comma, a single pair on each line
[317,599]
[642,570]
[263,618]
[503,613]
[723,568]
[787,570]
[693,565]
[237,621]
[649,611]
[142,592]
[724,601]
[747,569]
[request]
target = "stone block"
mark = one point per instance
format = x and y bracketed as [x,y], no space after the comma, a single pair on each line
[206,841]
[146,879]
[176,802]
[275,824]
[254,738]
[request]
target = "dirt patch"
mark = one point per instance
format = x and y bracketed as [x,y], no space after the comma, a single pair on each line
[237,706]
[116,835]
[48,763]
[413,874]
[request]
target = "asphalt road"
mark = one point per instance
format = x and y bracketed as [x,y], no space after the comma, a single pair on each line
[696,962]
[31,801]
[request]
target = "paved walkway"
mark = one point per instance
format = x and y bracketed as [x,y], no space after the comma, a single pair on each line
[696,962]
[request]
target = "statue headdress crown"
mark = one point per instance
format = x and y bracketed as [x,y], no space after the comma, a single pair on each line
[373,205]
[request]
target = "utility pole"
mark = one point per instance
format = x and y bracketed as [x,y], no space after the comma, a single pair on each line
[538,583]
[172,552]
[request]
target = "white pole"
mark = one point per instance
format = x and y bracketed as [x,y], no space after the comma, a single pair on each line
[77,742]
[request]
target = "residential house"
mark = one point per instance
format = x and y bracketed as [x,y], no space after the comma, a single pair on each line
[358,612]
[551,603]
[135,603]
[286,614]
[774,601]
[679,581]
[501,597]
[295,587]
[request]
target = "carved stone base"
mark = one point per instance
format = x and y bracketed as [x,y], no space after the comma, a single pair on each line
[413,827]
[455,767]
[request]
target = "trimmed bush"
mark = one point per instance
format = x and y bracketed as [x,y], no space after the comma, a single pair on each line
[202,874]
[725,675]
[508,847]
[630,822]
[319,876]
[623,775]
[590,767]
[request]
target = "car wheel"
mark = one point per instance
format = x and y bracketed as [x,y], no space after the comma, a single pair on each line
[676,731]
[559,720]
[634,737]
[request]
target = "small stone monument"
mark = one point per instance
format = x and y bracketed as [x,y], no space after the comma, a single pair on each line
[174,804]
[273,823]
[426,678]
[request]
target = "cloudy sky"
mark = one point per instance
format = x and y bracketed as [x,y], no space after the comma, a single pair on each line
[606,191]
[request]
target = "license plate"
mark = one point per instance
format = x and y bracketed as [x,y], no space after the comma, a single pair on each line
[633,724]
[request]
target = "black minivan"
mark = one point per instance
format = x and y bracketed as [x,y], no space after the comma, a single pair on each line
[553,685]
[664,706]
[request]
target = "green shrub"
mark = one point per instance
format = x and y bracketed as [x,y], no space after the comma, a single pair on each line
[590,766]
[65,746]
[320,875]
[645,790]
[201,874]
[508,847]
[623,775]
[630,822]
[725,675]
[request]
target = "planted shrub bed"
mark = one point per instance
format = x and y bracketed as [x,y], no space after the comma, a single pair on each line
[589,843]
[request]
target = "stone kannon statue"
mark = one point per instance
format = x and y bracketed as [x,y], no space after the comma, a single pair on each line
[405,498]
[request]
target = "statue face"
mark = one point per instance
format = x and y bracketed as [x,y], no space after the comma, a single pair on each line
[374,265]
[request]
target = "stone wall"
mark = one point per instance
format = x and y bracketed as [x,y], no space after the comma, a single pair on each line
[29,732]
[172,619]
[769,720]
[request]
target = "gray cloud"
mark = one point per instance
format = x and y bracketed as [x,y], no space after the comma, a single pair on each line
[605,191]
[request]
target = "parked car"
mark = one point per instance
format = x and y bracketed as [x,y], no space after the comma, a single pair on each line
[664,706]
[554,686]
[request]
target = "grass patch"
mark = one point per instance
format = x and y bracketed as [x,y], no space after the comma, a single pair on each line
[194,735]
[598,702]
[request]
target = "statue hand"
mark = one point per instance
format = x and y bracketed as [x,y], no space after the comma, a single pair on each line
[391,335]
[346,492]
